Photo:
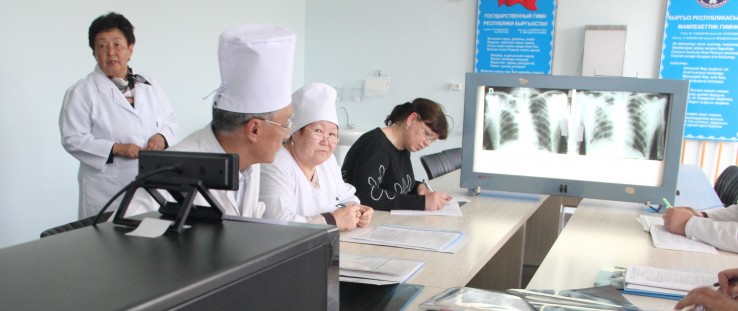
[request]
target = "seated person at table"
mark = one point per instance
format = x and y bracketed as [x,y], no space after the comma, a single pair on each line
[724,298]
[304,182]
[378,163]
[718,227]
[250,115]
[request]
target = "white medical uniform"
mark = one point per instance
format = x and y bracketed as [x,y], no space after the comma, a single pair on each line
[289,196]
[203,140]
[719,229]
[94,116]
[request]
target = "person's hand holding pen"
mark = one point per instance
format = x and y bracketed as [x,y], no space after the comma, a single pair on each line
[676,218]
[727,280]
[705,298]
[434,200]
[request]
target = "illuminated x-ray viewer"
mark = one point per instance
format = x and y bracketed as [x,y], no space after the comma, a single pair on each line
[590,137]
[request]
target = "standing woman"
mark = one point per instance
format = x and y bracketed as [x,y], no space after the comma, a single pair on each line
[378,163]
[112,114]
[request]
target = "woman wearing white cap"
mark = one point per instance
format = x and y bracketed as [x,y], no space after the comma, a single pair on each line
[304,182]
[111,114]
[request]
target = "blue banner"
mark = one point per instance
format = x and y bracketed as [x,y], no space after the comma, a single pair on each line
[701,45]
[515,36]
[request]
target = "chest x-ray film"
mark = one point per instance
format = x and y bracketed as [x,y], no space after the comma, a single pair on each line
[578,133]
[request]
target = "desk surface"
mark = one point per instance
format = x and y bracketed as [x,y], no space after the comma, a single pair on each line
[489,221]
[605,233]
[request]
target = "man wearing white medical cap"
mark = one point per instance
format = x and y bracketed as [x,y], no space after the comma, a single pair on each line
[304,182]
[251,110]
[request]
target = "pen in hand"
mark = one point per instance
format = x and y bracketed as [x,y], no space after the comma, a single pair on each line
[427,186]
[667,203]
[730,281]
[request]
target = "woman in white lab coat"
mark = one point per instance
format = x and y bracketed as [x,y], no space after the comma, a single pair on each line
[112,114]
[304,182]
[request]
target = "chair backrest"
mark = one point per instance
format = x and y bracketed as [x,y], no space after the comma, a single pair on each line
[441,163]
[726,186]
[454,157]
[84,222]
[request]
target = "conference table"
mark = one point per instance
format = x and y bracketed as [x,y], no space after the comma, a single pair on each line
[605,234]
[493,257]
[506,230]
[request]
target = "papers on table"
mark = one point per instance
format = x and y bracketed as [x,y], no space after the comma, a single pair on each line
[648,220]
[663,283]
[376,270]
[664,239]
[667,240]
[451,208]
[151,228]
[429,239]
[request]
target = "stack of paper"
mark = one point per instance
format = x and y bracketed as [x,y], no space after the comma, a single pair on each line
[663,283]
[428,239]
[376,270]
[664,239]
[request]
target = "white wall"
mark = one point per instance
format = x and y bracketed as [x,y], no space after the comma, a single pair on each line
[45,50]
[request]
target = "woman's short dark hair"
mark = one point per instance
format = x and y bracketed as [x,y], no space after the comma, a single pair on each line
[430,112]
[110,21]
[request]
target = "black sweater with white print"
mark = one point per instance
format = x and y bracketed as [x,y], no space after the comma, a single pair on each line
[382,174]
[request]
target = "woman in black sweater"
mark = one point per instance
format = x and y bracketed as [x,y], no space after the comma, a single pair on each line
[378,163]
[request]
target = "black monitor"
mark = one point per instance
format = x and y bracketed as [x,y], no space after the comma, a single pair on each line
[184,175]
[590,137]
[215,170]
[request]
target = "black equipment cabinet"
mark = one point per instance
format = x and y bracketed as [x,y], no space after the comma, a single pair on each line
[210,266]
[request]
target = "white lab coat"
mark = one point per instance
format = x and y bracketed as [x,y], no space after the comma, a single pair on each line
[94,116]
[203,140]
[289,196]
[720,229]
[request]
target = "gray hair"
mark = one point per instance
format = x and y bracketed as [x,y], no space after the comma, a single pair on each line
[229,121]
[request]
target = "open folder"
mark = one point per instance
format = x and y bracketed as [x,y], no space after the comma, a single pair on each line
[664,239]
[664,283]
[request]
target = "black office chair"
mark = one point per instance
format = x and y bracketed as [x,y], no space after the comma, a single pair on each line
[441,163]
[84,222]
[726,186]
[454,157]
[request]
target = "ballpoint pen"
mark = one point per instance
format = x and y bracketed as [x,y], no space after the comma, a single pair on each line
[427,186]
[730,281]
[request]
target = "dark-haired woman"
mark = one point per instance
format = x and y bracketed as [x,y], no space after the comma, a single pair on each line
[378,163]
[112,114]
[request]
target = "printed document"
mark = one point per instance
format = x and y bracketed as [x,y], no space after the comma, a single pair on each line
[376,270]
[661,238]
[666,240]
[429,239]
[664,283]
